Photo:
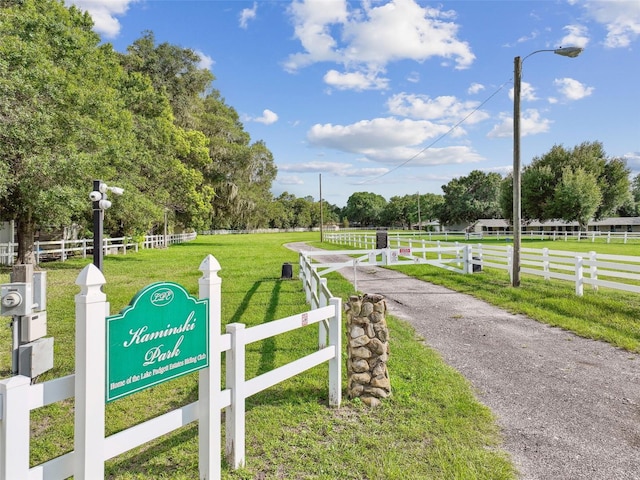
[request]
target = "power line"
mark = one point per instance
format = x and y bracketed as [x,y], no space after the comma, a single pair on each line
[441,136]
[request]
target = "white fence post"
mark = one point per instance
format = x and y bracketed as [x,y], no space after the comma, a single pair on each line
[468,265]
[593,269]
[234,414]
[90,353]
[14,428]
[579,277]
[335,364]
[324,301]
[545,263]
[314,290]
[209,403]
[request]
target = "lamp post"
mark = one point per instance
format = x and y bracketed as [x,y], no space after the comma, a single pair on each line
[100,203]
[571,52]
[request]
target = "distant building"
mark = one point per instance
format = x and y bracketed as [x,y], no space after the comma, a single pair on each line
[612,224]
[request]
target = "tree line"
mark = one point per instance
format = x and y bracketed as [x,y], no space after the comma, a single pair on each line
[72,109]
[570,184]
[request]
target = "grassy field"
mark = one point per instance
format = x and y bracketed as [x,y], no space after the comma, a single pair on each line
[431,428]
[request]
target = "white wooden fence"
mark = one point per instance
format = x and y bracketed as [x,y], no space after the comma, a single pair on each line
[63,249]
[619,272]
[364,238]
[87,385]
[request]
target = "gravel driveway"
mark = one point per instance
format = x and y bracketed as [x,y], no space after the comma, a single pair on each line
[569,407]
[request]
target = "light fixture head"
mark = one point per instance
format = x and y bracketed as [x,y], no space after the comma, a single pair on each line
[570,52]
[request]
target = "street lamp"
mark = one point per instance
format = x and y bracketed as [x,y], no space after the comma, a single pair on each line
[100,203]
[571,52]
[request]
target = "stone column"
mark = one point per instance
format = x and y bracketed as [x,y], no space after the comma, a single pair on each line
[367,349]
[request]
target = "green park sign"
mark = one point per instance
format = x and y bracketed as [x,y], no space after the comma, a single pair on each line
[161,335]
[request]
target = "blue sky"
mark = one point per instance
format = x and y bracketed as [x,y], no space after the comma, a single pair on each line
[401,96]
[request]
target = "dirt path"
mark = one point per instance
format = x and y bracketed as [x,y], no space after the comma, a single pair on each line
[569,407]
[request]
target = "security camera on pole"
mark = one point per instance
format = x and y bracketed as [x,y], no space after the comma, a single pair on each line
[100,203]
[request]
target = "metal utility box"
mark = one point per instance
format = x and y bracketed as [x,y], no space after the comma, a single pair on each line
[33,327]
[16,299]
[382,240]
[36,357]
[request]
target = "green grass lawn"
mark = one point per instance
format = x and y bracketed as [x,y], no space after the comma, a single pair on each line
[431,428]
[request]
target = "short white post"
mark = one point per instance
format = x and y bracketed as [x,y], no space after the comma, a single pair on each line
[234,414]
[579,276]
[593,269]
[545,263]
[314,290]
[424,253]
[335,364]
[90,351]
[14,428]
[324,301]
[510,263]
[209,403]
[468,260]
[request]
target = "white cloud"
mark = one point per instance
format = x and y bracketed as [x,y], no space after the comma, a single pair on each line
[577,36]
[268,117]
[444,108]
[332,168]
[572,89]
[368,38]
[368,136]
[414,77]
[206,62]
[621,18]
[475,88]
[248,14]
[358,81]
[104,13]
[527,92]
[531,123]
[290,180]
[391,141]
[632,160]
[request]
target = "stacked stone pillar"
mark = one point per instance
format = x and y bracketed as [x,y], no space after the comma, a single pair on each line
[367,349]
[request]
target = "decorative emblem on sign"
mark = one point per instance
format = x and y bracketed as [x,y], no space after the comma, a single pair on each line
[163,334]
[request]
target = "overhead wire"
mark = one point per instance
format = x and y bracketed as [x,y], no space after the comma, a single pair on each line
[440,137]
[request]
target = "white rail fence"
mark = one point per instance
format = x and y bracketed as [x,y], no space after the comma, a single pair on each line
[348,238]
[618,272]
[91,449]
[454,257]
[64,249]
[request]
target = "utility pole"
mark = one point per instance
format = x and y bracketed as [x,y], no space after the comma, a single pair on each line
[321,214]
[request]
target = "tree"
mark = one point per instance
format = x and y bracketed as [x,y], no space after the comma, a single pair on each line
[557,170]
[61,115]
[578,196]
[365,208]
[467,199]
[173,71]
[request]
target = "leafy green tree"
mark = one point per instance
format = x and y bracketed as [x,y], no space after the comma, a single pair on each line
[578,196]
[630,208]
[365,208]
[396,212]
[61,116]
[174,71]
[542,179]
[467,199]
